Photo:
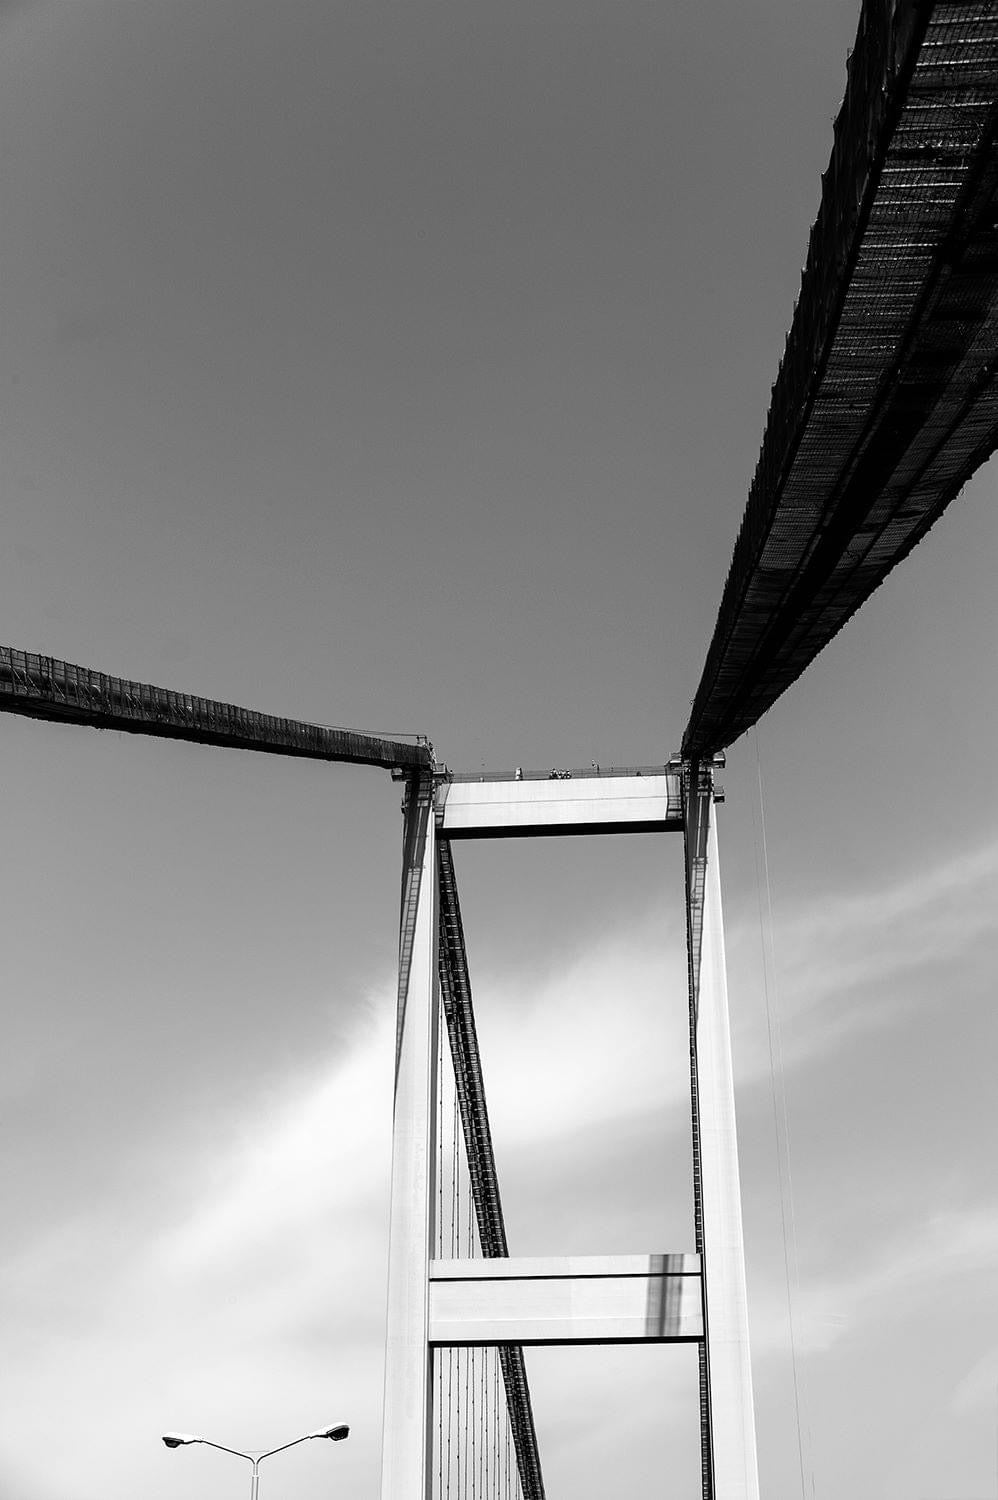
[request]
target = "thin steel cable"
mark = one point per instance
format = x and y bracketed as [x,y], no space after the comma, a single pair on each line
[495,1410]
[482,1428]
[466,1445]
[781,1124]
[439,1381]
[453,1252]
[450,1418]
[474,1423]
[456,1246]
[438,1241]
[460,1447]
[438,1235]
[494,1414]
[468,1392]
[476,1438]
[474,1372]
[507,1497]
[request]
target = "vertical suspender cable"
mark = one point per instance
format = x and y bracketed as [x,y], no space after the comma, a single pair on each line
[473,1372]
[451,1353]
[781,1117]
[438,1242]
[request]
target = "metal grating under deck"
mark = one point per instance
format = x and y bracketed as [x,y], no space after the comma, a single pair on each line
[885,402]
[42,687]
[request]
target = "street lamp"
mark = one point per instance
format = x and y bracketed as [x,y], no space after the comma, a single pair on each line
[336,1433]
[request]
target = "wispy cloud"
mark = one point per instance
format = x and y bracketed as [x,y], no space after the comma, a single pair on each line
[596,1042]
[879,1284]
[842,965]
[260,1300]
[886,930]
[261,1295]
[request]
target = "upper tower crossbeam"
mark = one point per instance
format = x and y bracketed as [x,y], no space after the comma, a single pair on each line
[633,800]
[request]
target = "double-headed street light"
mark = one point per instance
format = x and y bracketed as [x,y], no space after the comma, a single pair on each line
[336,1433]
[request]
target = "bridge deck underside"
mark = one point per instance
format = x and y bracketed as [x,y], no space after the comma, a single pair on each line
[885,402]
[42,687]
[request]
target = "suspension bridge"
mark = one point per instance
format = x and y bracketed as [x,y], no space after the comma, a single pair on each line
[884,405]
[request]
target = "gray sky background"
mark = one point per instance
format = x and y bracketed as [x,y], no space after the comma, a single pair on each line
[404,366]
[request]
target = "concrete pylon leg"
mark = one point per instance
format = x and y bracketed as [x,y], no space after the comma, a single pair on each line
[406,1447]
[735,1473]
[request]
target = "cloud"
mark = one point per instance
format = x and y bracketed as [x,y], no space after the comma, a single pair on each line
[978,1390]
[265,1264]
[843,964]
[883,931]
[259,1303]
[255,1294]
[597,1041]
[960,1243]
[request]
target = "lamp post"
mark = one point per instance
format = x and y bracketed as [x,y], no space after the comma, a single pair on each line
[336,1433]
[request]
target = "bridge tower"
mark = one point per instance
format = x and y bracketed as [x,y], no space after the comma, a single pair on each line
[684,1294]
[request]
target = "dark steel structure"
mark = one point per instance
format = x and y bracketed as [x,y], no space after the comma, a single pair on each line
[886,401]
[459,1014]
[42,687]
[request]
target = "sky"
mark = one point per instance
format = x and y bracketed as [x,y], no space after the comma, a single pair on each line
[405,367]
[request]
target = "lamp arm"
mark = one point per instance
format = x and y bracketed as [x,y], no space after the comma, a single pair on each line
[222,1449]
[293,1444]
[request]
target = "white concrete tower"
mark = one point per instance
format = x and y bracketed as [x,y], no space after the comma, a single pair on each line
[696,1294]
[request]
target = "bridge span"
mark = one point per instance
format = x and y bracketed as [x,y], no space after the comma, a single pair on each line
[886,399]
[885,403]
